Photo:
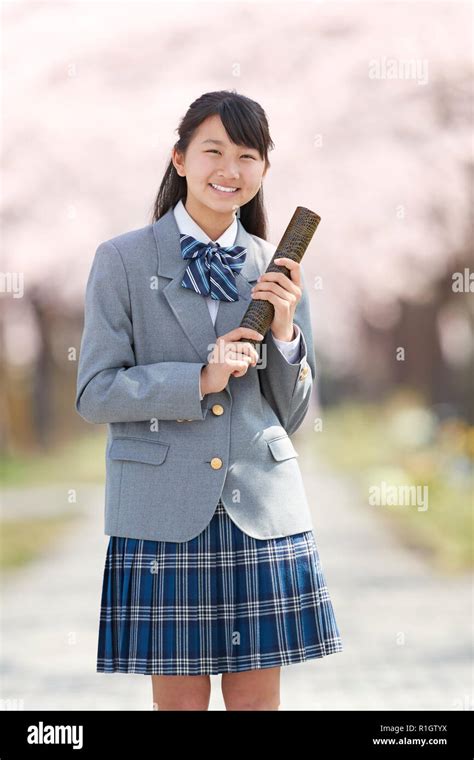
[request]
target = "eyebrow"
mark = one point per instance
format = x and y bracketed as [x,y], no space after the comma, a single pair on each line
[220,142]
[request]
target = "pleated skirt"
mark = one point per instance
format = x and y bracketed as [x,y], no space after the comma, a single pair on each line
[222,602]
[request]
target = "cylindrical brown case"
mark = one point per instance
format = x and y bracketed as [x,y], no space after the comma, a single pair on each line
[293,245]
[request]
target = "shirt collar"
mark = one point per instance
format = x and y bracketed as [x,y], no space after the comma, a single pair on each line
[188,226]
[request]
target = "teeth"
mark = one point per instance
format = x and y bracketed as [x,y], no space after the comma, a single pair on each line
[225,189]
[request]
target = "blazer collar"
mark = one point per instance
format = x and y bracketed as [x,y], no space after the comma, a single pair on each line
[189,308]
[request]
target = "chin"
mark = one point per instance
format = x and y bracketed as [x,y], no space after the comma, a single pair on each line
[223,208]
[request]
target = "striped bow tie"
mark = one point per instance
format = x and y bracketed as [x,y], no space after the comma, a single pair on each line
[211,269]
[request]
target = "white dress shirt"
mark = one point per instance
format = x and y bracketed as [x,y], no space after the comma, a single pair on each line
[187,226]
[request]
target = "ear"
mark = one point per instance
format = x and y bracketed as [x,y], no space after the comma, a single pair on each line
[177,159]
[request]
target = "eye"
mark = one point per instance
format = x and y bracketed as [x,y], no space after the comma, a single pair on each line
[245,155]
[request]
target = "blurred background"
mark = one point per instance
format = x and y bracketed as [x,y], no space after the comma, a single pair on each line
[370,110]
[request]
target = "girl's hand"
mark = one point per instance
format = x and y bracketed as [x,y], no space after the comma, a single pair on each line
[284,293]
[229,358]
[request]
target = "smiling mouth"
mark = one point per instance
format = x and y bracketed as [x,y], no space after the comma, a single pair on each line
[225,191]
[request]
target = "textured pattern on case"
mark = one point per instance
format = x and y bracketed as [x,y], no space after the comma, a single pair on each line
[293,245]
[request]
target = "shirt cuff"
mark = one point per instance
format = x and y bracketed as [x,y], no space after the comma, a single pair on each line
[290,348]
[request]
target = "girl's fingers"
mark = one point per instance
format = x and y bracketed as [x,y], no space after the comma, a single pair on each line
[239,361]
[293,266]
[277,302]
[287,295]
[243,349]
[226,350]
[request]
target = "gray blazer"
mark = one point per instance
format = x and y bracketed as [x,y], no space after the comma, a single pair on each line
[169,455]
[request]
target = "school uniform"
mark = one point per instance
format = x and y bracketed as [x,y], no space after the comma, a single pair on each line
[212,564]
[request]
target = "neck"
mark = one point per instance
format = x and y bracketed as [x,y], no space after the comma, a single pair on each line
[213,223]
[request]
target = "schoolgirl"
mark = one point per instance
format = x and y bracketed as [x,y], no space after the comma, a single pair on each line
[212,564]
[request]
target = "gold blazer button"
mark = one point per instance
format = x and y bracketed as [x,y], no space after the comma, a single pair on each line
[216,463]
[304,372]
[217,409]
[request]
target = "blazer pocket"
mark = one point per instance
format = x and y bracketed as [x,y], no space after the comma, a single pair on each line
[139,450]
[282,448]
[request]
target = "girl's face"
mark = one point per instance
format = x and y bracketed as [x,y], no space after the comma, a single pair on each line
[212,159]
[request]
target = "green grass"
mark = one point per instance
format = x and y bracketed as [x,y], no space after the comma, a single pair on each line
[82,459]
[401,443]
[23,541]
[79,461]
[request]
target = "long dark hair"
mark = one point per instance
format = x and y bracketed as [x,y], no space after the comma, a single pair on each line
[246,124]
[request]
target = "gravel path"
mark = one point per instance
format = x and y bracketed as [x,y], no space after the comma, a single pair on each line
[405,629]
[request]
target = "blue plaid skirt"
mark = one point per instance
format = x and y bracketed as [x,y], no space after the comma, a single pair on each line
[221,602]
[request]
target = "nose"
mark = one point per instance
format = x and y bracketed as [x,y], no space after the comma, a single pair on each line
[229,171]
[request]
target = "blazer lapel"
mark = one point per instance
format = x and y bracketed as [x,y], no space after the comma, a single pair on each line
[190,308]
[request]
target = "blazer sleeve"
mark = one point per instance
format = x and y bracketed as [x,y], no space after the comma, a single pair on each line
[287,386]
[111,387]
